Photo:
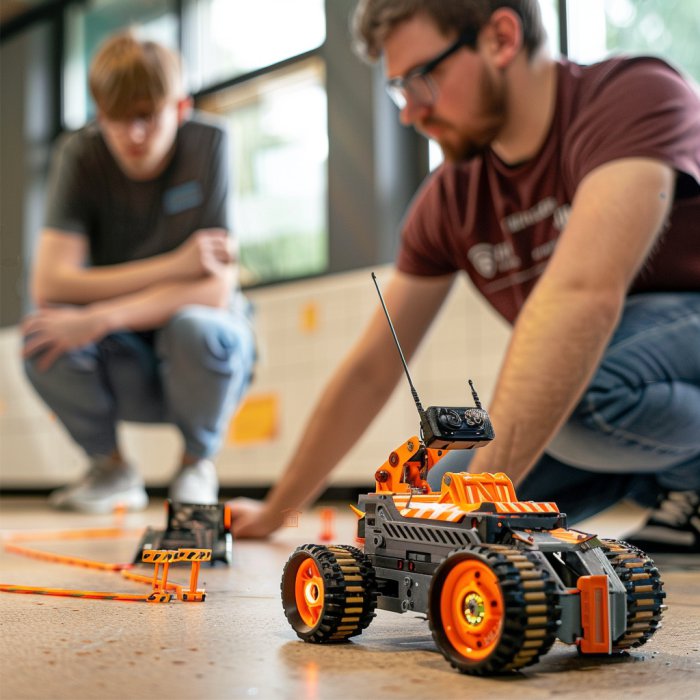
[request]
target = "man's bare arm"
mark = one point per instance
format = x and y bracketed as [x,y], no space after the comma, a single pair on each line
[353,397]
[61,277]
[568,320]
[51,332]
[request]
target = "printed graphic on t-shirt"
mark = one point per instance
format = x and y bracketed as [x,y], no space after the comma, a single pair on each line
[492,259]
[547,207]
[182,197]
[523,219]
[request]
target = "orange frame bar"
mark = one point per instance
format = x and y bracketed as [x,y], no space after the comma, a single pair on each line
[595,615]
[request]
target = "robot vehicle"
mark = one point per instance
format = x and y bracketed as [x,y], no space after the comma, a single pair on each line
[192,526]
[499,579]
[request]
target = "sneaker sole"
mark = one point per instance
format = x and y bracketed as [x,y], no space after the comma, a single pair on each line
[132,502]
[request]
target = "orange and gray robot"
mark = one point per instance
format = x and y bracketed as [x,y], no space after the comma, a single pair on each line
[499,579]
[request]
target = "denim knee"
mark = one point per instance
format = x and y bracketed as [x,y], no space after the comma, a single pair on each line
[201,336]
[189,333]
[641,411]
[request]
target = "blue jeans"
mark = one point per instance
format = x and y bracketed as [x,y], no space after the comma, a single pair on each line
[636,430]
[192,373]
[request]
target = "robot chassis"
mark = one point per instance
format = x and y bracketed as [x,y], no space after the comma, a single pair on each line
[499,579]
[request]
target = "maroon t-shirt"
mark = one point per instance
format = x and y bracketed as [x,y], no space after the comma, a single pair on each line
[501,223]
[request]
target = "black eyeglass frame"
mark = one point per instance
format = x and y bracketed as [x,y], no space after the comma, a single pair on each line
[397,88]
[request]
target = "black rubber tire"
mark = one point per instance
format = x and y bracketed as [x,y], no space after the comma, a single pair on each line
[347,594]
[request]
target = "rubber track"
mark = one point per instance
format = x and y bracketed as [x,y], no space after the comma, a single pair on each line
[645,593]
[350,593]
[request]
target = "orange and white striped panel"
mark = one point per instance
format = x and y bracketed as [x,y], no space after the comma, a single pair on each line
[526,507]
[446,512]
[416,507]
[477,492]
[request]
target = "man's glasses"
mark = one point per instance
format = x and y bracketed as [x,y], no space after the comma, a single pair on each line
[418,84]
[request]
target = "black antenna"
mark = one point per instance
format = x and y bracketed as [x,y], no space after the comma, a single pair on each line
[477,403]
[414,393]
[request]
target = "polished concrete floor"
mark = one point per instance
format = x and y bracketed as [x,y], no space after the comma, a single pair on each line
[237,644]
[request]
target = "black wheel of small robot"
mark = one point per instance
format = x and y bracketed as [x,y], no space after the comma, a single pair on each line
[645,593]
[492,609]
[329,594]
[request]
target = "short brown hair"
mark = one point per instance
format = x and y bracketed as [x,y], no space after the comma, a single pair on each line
[126,70]
[374,20]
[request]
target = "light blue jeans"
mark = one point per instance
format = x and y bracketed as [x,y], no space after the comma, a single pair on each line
[636,431]
[192,373]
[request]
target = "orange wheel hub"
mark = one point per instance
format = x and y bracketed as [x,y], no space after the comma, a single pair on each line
[471,608]
[308,592]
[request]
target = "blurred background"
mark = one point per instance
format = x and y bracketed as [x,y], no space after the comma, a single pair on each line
[321,175]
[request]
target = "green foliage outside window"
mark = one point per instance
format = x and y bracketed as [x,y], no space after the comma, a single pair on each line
[666,28]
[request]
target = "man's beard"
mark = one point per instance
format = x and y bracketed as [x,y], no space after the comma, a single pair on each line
[492,117]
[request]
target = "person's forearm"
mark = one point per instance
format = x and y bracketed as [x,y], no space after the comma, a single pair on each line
[555,349]
[152,307]
[75,285]
[344,411]
[60,275]
[564,327]
[356,393]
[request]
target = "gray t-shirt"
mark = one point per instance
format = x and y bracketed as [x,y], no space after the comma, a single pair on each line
[127,220]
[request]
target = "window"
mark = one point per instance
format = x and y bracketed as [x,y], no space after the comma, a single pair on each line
[665,28]
[279,150]
[88,24]
[254,64]
[234,37]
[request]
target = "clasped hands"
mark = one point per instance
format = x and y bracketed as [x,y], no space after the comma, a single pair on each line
[206,252]
[54,330]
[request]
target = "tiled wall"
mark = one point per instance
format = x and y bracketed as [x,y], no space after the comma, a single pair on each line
[304,329]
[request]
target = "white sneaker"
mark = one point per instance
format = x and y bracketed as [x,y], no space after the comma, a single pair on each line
[195,483]
[105,486]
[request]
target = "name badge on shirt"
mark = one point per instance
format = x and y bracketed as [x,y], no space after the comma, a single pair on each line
[182,197]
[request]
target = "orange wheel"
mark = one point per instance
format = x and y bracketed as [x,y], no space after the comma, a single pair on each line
[328,593]
[478,613]
[308,592]
[471,608]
